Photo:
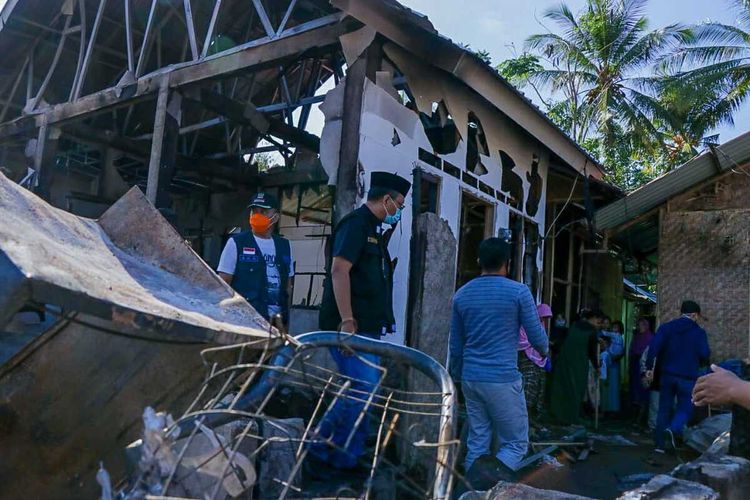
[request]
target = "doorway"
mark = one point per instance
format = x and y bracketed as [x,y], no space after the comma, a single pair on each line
[477,219]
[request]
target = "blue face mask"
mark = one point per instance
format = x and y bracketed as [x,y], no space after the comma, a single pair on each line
[392,219]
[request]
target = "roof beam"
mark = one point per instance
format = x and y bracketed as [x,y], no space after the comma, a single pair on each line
[316,34]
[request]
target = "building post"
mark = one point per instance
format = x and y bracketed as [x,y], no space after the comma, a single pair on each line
[163,146]
[346,180]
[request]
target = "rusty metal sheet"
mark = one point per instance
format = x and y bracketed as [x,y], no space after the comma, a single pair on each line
[130,267]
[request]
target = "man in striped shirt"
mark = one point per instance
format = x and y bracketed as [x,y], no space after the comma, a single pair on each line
[487,315]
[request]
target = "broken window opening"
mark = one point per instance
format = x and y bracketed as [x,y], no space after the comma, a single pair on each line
[476,144]
[531,251]
[477,217]
[535,187]
[511,181]
[515,224]
[440,128]
[429,194]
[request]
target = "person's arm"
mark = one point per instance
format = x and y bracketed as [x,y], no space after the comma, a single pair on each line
[654,350]
[529,319]
[721,387]
[592,350]
[617,348]
[704,352]
[348,244]
[456,342]
[342,291]
[228,261]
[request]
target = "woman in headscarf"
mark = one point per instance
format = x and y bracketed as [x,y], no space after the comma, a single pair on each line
[571,370]
[531,364]
[639,395]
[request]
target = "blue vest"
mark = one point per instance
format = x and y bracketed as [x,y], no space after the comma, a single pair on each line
[250,279]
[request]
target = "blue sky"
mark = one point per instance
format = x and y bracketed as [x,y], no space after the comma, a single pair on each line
[498,25]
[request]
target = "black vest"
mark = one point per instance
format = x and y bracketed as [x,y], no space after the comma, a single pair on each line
[250,279]
[371,283]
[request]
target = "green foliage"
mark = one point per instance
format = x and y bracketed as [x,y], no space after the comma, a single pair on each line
[484,55]
[589,75]
[518,70]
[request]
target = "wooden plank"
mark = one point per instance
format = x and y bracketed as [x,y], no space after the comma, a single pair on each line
[89,50]
[81,49]
[346,182]
[44,159]
[129,37]
[53,65]
[146,36]
[286,17]
[246,113]
[263,15]
[154,166]
[243,59]
[211,27]
[14,88]
[190,29]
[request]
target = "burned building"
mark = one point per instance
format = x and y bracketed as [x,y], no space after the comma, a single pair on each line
[202,104]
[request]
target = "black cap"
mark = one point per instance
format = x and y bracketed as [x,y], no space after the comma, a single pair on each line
[387,180]
[690,307]
[264,200]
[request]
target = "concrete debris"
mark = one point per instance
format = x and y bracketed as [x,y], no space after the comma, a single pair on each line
[551,461]
[663,487]
[515,491]
[615,439]
[728,475]
[702,436]
[720,446]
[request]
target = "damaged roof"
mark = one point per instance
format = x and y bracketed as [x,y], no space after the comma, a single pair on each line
[416,33]
[712,162]
[130,267]
[26,28]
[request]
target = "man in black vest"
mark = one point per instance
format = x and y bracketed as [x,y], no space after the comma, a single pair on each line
[258,263]
[357,298]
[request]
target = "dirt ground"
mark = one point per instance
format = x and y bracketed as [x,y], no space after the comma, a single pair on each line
[610,469]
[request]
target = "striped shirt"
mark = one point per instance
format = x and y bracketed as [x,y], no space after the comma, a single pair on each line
[487,315]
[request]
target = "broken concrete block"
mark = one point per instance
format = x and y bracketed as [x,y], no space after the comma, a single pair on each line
[664,487]
[516,491]
[278,458]
[728,475]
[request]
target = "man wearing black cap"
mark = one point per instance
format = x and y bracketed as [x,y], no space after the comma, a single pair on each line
[258,263]
[680,347]
[357,298]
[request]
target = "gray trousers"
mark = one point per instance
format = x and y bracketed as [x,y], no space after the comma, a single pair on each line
[498,421]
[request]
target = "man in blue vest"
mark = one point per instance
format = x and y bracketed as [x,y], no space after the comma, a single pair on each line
[258,263]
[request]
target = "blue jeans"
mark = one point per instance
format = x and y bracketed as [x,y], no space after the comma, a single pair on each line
[337,424]
[671,388]
[497,421]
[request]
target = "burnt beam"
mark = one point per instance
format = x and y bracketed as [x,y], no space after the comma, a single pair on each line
[245,113]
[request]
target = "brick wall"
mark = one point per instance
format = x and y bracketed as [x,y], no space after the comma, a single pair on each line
[705,256]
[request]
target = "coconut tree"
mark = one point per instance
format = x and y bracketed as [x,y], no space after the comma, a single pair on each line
[718,53]
[597,60]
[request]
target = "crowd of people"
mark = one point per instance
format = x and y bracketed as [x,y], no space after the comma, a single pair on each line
[514,364]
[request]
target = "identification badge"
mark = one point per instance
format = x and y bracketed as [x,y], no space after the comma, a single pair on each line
[370,239]
[248,251]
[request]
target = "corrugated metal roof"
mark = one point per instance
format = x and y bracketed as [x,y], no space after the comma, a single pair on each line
[719,159]
[641,292]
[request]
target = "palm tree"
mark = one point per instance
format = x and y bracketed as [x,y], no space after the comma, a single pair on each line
[718,53]
[596,62]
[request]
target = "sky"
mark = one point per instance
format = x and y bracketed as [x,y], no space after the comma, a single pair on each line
[499,26]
